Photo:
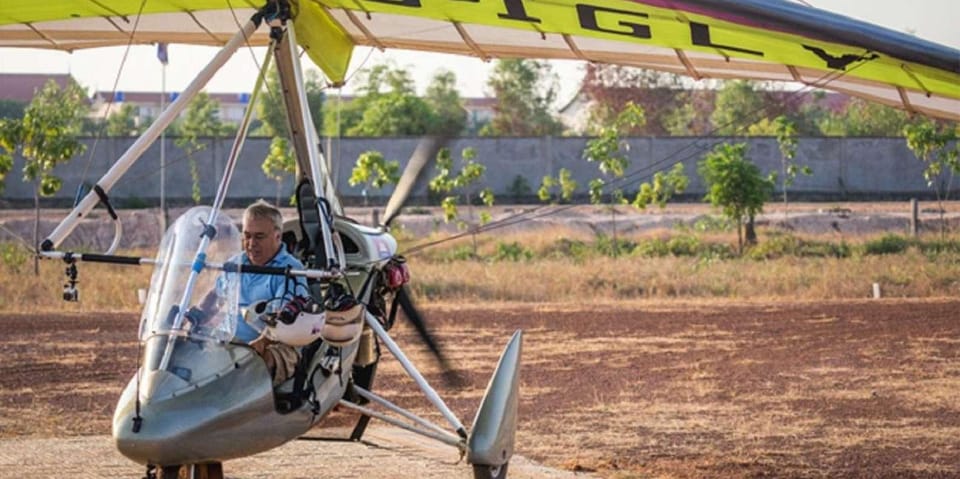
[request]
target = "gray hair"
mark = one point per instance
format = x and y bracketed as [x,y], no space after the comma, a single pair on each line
[263,210]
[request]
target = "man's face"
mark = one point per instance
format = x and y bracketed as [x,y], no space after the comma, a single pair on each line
[260,239]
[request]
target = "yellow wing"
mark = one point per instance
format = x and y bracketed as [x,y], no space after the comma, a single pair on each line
[754,39]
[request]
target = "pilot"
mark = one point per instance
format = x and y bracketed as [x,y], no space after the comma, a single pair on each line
[262,227]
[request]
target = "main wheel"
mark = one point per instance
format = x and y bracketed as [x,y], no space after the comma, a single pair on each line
[490,472]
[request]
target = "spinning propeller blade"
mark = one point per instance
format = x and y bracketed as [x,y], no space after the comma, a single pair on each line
[450,375]
[426,151]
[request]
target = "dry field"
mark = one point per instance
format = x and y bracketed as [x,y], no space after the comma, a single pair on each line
[645,389]
[670,367]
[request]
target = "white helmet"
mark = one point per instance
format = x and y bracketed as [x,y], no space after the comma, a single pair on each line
[305,329]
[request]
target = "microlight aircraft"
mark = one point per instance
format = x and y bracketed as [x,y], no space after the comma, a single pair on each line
[199,397]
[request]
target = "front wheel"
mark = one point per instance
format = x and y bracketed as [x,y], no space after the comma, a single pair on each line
[489,472]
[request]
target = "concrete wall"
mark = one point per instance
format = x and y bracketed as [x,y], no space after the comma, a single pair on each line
[844,168]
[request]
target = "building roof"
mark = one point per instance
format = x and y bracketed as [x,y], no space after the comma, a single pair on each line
[22,87]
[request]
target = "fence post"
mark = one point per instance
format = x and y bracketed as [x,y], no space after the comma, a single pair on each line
[914,217]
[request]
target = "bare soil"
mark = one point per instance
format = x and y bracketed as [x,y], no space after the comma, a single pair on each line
[838,389]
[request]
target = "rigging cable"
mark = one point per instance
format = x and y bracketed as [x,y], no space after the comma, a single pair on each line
[113,92]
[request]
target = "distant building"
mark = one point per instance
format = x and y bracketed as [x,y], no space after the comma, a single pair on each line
[21,87]
[147,104]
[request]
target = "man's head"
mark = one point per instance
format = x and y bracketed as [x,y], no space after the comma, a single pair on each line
[262,224]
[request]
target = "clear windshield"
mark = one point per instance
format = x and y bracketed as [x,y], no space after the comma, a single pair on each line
[211,311]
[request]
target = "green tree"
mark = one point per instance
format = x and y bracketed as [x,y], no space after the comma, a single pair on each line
[442,97]
[45,137]
[386,104]
[661,95]
[279,163]
[936,145]
[201,119]
[738,105]
[450,182]
[735,185]
[786,132]
[558,189]
[122,122]
[374,171]
[611,153]
[270,108]
[525,91]
[865,118]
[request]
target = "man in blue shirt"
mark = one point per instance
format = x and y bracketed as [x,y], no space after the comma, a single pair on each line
[262,227]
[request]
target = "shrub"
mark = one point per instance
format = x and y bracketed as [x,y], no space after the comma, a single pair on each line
[13,256]
[887,244]
[513,251]
[606,246]
[684,245]
[653,248]
[568,248]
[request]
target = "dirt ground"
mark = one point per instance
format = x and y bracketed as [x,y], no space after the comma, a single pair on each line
[839,389]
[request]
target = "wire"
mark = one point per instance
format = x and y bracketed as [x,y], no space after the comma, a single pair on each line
[113,92]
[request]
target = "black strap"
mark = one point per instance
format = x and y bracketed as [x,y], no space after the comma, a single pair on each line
[294,399]
[105,200]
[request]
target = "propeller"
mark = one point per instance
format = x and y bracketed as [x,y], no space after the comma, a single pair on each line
[451,376]
[425,152]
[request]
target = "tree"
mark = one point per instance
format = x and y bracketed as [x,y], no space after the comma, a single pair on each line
[564,182]
[386,105]
[661,95]
[123,122]
[936,145]
[45,137]
[447,181]
[735,185]
[202,119]
[610,152]
[270,108]
[865,118]
[525,92]
[279,163]
[375,171]
[786,133]
[442,97]
[738,105]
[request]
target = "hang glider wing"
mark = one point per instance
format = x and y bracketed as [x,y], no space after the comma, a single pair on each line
[755,39]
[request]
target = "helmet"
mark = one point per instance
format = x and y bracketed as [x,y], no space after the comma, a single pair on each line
[297,324]
[305,329]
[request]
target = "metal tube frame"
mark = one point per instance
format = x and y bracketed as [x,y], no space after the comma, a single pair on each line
[444,438]
[432,395]
[403,412]
[305,141]
[148,137]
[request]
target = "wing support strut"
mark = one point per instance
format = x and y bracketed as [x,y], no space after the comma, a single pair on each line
[306,143]
[140,146]
[432,395]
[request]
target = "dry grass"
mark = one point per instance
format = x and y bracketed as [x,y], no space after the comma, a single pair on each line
[543,267]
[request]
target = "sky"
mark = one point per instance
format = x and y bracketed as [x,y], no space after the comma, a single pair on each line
[97,69]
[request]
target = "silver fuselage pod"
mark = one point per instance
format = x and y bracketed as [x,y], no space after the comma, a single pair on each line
[220,410]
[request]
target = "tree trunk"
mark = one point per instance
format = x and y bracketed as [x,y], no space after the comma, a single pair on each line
[36,228]
[751,232]
[616,246]
[739,236]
